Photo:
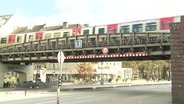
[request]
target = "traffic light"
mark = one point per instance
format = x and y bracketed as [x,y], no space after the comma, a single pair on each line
[59,80]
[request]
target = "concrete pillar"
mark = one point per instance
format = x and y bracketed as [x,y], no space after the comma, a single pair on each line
[29,70]
[177,61]
[3,70]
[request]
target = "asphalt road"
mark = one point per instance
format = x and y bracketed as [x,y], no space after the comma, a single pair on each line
[152,94]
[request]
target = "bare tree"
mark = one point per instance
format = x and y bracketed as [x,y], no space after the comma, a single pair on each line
[84,70]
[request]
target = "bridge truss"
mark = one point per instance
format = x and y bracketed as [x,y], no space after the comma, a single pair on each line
[130,46]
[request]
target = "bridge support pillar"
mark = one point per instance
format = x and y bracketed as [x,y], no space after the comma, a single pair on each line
[3,70]
[177,61]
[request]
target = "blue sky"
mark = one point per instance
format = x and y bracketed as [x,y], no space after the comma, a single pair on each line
[29,8]
[93,12]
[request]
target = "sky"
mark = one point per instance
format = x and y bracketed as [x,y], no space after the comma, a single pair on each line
[92,12]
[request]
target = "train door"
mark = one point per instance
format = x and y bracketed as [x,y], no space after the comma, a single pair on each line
[11,38]
[112,28]
[39,36]
[76,31]
[164,22]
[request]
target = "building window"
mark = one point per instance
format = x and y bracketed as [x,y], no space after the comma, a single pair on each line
[47,36]
[137,28]
[86,32]
[57,35]
[124,29]
[151,26]
[101,31]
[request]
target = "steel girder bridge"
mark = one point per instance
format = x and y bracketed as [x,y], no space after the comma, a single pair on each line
[130,46]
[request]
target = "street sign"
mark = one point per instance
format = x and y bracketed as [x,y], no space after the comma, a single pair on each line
[105,50]
[60,57]
[78,44]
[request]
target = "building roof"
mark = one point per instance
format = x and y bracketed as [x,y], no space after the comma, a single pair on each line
[19,30]
[4,19]
[43,27]
[35,28]
[28,29]
[49,28]
[64,26]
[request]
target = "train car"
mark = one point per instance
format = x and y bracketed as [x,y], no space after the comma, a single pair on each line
[139,26]
[38,32]
[150,25]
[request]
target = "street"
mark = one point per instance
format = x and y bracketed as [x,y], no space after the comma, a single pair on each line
[150,94]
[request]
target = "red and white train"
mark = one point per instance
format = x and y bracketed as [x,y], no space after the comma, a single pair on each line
[32,34]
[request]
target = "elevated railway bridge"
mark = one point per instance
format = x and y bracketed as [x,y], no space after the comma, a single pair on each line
[130,46]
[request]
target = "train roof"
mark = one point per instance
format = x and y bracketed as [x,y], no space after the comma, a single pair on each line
[136,21]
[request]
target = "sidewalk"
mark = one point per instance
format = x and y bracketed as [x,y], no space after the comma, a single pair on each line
[113,84]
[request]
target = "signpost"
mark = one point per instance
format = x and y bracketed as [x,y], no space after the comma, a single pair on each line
[60,58]
[105,50]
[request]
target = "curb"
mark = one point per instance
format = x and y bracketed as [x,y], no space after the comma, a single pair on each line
[110,86]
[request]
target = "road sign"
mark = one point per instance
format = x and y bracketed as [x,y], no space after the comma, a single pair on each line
[105,50]
[60,57]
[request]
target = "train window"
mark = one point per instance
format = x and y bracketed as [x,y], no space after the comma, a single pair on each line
[124,29]
[151,26]
[86,32]
[30,38]
[3,40]
[19,39]
[163,25]
[57,34]
[137,28]
[101,31]
[65,34]
[47,36]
